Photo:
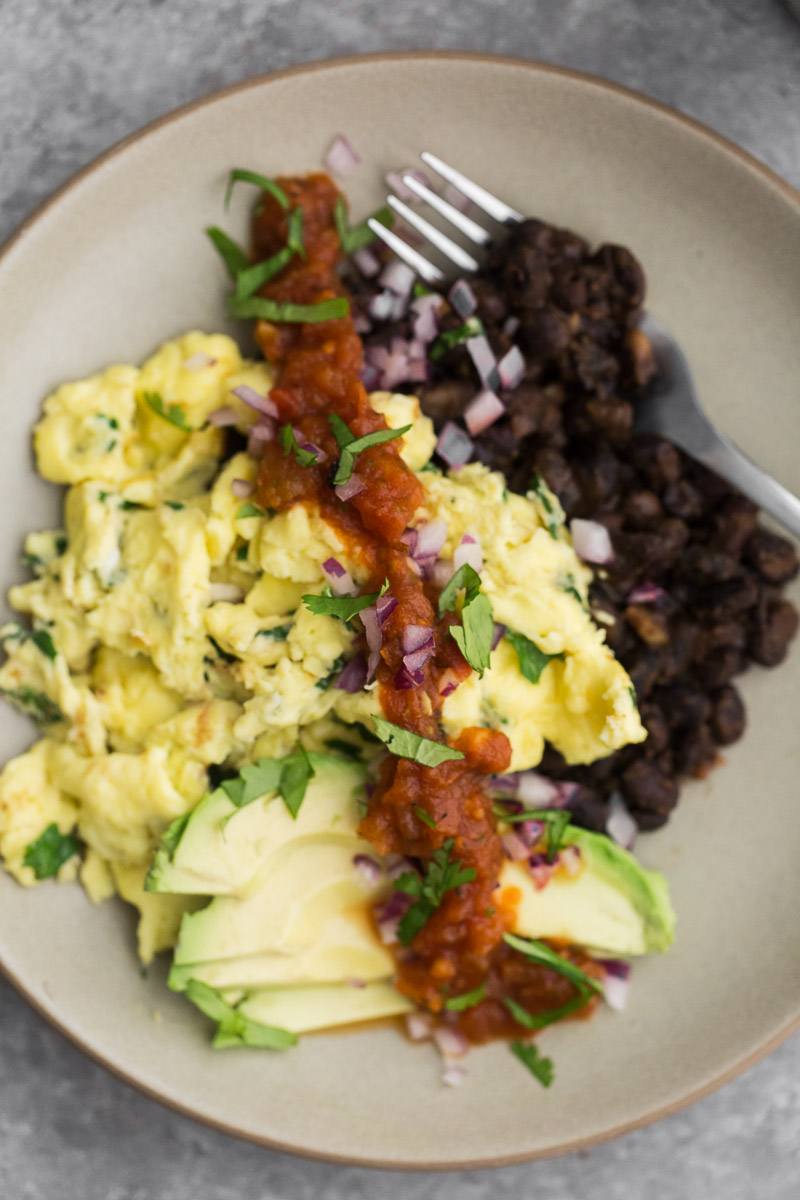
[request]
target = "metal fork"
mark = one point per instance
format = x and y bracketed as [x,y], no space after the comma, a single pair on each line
[671,407]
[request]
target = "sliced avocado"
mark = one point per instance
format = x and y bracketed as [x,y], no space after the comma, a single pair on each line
[301,1009]
[219,849]
[345,947]
[613,905]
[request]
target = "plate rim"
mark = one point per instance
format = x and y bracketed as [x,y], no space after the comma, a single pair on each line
[767,176]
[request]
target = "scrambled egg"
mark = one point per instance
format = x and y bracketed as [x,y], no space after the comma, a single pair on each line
[168,635]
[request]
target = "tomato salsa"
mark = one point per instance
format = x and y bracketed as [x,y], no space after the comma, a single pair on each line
[415,810]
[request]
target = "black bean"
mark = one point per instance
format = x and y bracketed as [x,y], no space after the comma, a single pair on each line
[774,557]
[774,630]
[643,509]
[695,751]
[645,786]
[728,718]
[588,808]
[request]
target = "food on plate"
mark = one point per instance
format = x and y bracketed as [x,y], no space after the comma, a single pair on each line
[296,663]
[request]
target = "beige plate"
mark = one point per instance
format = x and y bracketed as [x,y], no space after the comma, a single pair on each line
[117,262]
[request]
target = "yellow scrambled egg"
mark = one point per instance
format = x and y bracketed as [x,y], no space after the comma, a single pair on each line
[167,633]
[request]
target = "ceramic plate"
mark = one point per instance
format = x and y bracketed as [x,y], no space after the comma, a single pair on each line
[117,262]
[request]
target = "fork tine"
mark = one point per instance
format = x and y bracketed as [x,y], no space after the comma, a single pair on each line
[471,229]
[411,257]
[496,208]
[441,241]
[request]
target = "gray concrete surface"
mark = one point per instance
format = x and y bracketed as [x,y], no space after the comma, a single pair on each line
[76,75]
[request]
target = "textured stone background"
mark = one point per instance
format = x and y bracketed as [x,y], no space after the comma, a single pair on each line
[76,76]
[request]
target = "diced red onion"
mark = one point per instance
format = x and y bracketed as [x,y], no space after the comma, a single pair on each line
[514,847]
[541,870]
[401,190]
[429,540]
[529,832]
[254,399]
[425,310]
[462,298]
[453,1074]
[372,628]
[450,1042]
[592,541]
[341,159]
[400,307]
[454,446]
[397,865]
[616,967]
[417,371]
[346,491]
[453,196]
[511,369]
[510,326]
[340,579]
[197,361]
[405,679]
[389,915]
[242,488]
[616,984]
[483,411]
[448,681]
[368,868]
[370,376]
[381,306]
[468,551]
[441,573]
[223,416]
[362,324]
[567,791]
[397,277]
[498,635]
[395,371]
[536,791]
[416,637]
[417,659]
[226,592]
[483,360]
[384,607]
[368,264]
[354,675]
[259,434]
[620,825]
[646,593]
[569,859]
[419,1026]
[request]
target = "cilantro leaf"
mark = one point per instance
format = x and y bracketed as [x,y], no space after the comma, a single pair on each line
[343,607]
[355,237]
[36,704]
[278,310]
[540,952]
[251,277]
[249,510]
[44,642]
[47,855]
[466,999]
[241,175]
[288,776]
[306,458]
[341,430]
[294,233]
[568,585]
[540,1067]
[454,337]
[543,495]
[556,819]
[174,413]
[406,744]
[233,1027]
[442,875]
[352,448]
[231,253]
[532,660]
[423,815]
[475,634]
[550,1017]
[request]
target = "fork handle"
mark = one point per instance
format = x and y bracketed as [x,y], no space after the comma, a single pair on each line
[721,455]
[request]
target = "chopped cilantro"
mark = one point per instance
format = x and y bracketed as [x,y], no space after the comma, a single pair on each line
[542,494]
[278,633]
[343,607]
[47,855]
[174,504]
[325,682]
[556,820]
[277,310]
[568,586]
[233,1027]
[242,552]
[423,815]
[130,505]
[111,422]
[466,999]
[44,642]
[540,1067]
[288,776]
[454,337]
[294,233]
[405,744]
[442,875]
[173,413]
[355,237]
[241,175]
[475,633]
[540,952]
[223,654]
[347,749]
[249,510]
[306,458]
[532,660]
[351,446]
[250,278]
[420,289]
[61,544]
[633,696]
[465,577]
[234,257]
[36,704]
